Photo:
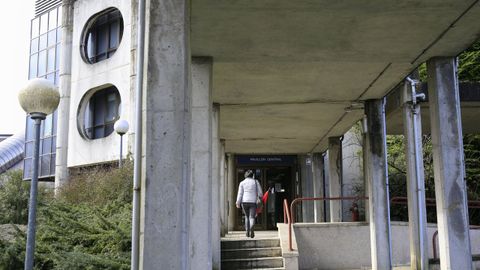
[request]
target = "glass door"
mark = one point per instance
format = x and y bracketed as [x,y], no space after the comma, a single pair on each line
[279,183]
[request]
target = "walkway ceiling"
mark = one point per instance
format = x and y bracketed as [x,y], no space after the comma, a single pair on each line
[284,71]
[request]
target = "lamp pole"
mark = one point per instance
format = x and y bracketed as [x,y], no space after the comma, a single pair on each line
[121,150]
[39,98]
[32,205]
[121,127]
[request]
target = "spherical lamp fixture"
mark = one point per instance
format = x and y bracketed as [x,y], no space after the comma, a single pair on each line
[121,126]
[39,97]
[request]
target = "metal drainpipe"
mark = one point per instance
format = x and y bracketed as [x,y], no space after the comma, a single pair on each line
[384,102]
[418,158]
[324,189]
[138,135]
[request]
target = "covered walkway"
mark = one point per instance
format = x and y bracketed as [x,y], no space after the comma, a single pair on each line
[291,77]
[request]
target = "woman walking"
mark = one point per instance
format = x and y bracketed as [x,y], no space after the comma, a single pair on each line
[249,191]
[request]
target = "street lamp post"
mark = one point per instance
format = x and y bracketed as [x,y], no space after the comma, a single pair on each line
[121,127]
[38,98]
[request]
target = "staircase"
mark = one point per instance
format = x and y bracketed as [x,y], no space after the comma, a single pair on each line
[261,252]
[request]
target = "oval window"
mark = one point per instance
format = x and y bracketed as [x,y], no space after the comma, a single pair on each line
[98,112]
[102,35]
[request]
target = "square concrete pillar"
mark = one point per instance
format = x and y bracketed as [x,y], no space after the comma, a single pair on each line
[200,248]
[165,181]
[231,191]
[223,191]
[318,181]
[306,184]
[375,163]
[63,110]
[335,177]
[448,161]
[216,260]
[417,216]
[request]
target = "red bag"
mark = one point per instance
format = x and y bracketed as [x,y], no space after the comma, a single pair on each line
[264,199]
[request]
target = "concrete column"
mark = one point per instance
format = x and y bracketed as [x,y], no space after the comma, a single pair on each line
[223,191]
[365,166]
[201,164]
[306,184]
[231,191]
[417,217]
[63,111]
[165,181]
[448,161]
[335,177]
[216,188]
[377,177]
[317,176]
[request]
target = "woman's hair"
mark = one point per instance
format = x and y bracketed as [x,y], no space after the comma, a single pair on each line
[248,173]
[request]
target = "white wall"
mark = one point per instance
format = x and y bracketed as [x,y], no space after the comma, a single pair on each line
[352,180]
[347,245]
[115,70]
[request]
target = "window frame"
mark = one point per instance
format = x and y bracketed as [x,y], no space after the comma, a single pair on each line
[87,121]
[97,23]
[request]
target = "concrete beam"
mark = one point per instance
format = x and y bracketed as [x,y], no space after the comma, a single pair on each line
[318,165]
[469,103]
[201,165]
[166,128]
[417,217]
[448,161]
[335,177]
[375,163]
[216,261]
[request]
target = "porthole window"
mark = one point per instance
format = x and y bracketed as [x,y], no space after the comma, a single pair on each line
[98,112]
[102,35]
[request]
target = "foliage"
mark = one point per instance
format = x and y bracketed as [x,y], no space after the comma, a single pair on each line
[397,174]
[472,170]
[14,196]
[14,193]
[81,229]
[397,171]
[75,237]
[468,65]
[100,185]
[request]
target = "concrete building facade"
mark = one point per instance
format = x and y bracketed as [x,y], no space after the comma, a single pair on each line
[229,86]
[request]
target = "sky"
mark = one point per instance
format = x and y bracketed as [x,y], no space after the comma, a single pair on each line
[15,29]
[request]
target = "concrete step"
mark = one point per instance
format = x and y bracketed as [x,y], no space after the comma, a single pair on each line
[252,263]
[250,243]
[251,253]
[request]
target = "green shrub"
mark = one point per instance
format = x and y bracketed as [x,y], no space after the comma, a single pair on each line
[99,186]
[88,225]
[14,193]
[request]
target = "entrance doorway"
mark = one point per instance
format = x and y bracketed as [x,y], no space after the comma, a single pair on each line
[278,176]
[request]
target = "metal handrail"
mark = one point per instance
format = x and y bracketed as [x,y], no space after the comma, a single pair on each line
[432,202]
[297,200]
[435,237]
[287,219]
[289,213]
